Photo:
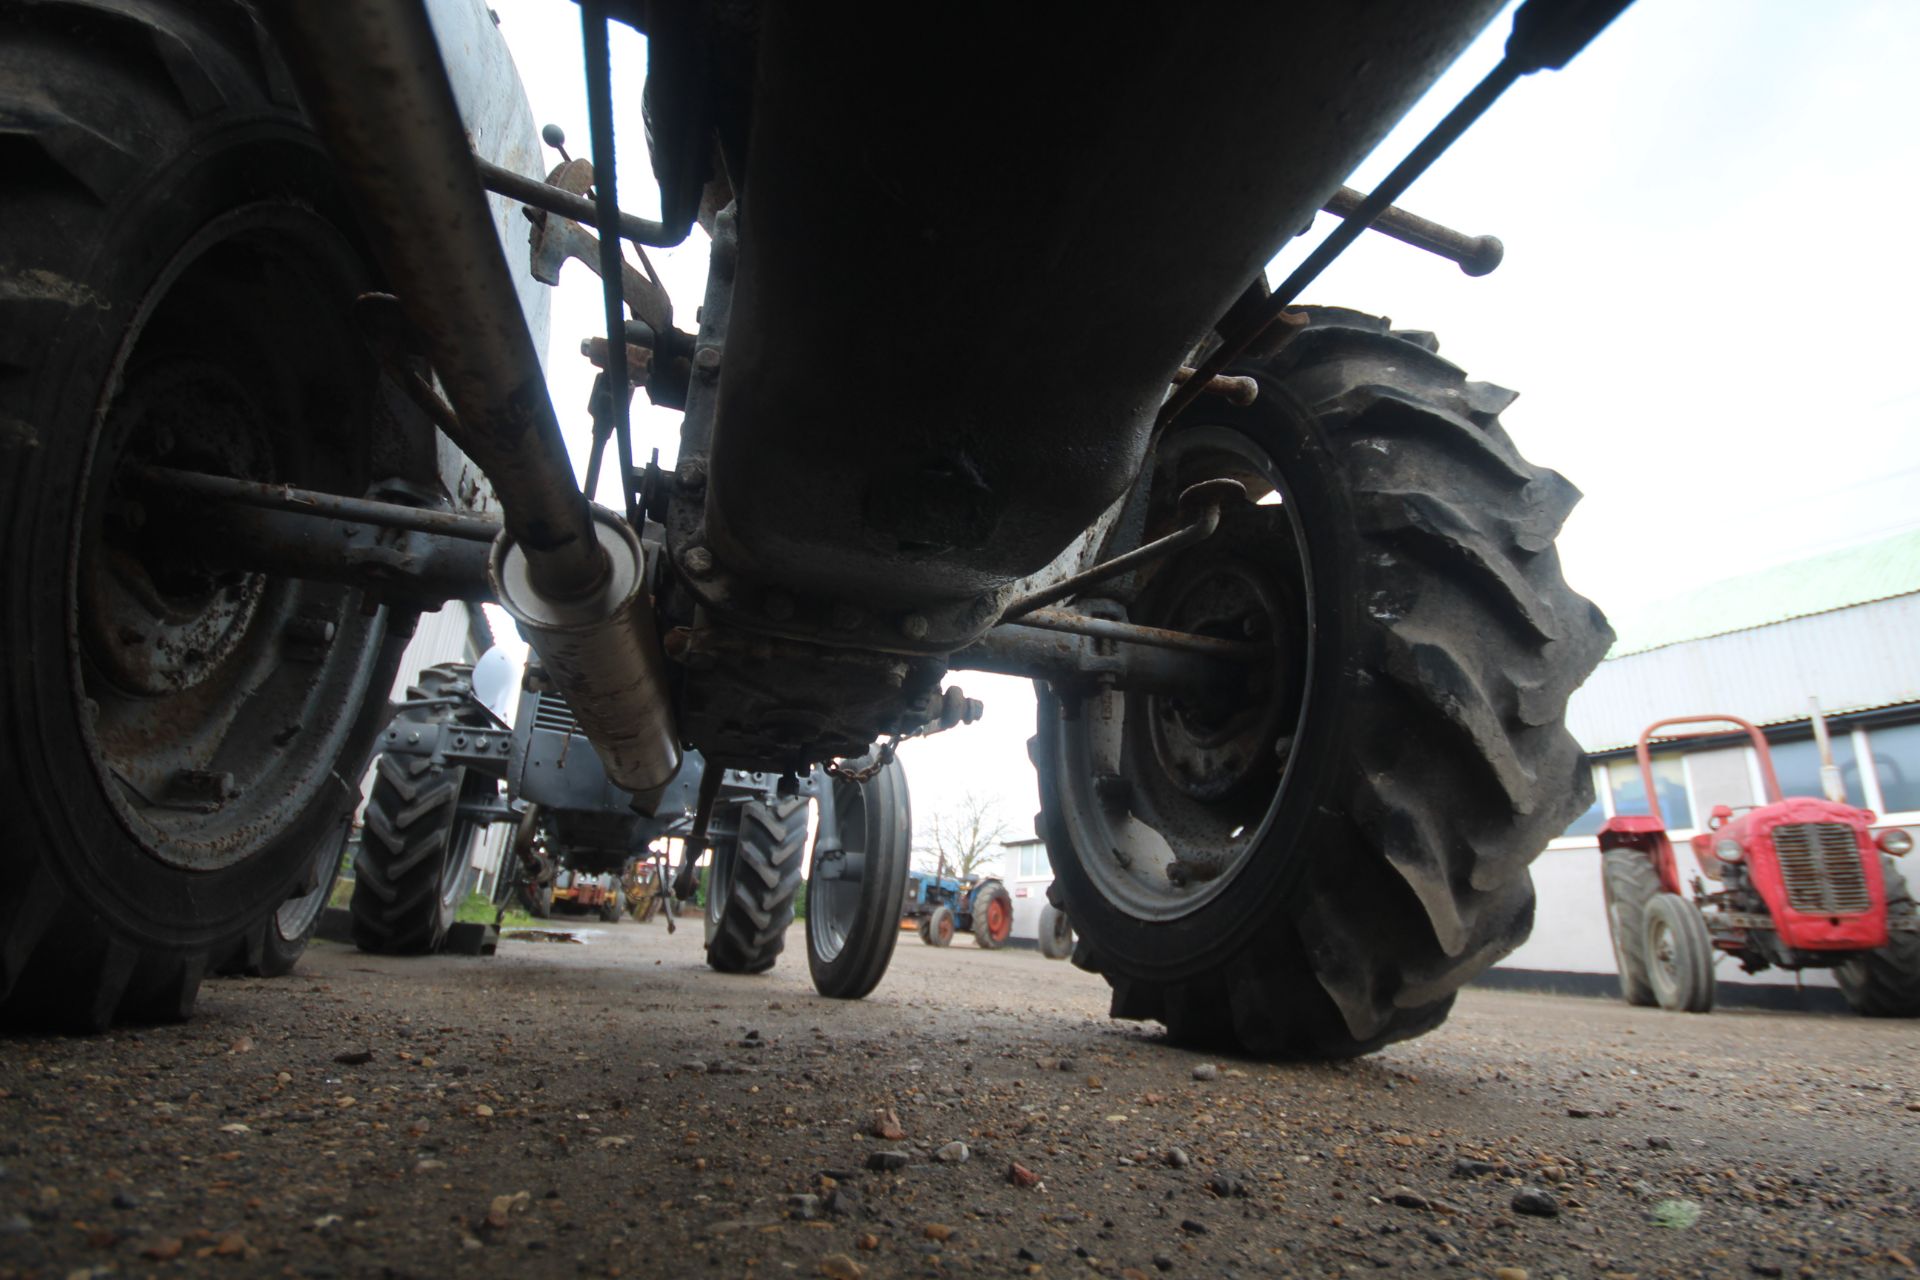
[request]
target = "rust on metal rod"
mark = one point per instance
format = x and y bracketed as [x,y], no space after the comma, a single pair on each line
[540,195]
[1201,505]
[1476,255]
[1133,633]
[1234,390]
[639,359]
[284,497]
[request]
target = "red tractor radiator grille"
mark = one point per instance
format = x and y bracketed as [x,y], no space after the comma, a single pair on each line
[1820,863]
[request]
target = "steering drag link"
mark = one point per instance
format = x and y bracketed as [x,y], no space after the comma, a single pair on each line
[1201,505]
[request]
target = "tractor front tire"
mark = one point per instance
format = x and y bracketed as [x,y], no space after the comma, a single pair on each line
[940,927]
[853,918]
[278,942]
[1056,933]
[751,888]
[1885,983]
[1629,883]
[1679,955]
[1312,860]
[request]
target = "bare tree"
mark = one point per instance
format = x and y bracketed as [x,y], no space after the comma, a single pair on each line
[963,839]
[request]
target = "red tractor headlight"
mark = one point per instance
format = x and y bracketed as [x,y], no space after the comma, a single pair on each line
[1727,849]
[1895,841]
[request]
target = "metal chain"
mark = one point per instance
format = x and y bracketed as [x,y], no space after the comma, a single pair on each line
[848,774]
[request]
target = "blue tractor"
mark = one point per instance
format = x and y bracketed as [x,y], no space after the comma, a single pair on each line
[939,905]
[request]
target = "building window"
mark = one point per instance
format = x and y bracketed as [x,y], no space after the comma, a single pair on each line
[1669,784]
[1896,763]
[1033,862]
[1589,823]
[1798,764]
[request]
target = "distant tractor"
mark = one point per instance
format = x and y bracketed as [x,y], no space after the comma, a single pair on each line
[1795,883]
[940,905]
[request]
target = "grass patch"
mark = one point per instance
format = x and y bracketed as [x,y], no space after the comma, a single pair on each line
[478,909]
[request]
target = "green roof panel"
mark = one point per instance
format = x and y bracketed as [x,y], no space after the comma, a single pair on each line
[1833,580]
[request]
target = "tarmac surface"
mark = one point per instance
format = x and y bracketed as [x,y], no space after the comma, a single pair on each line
[613,1108]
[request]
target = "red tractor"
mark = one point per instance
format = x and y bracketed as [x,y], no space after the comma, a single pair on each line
[1797,882]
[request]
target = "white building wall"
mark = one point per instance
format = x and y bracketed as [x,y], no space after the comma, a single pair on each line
[1028,876]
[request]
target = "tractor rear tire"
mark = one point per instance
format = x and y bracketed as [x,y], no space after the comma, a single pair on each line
[178,267]
[1679,955]
[1314,862]
[992,915]
[940,927]
[412,870]
[1056,933]
[1885,983]
[751,889]
[853,923]
[1629,883]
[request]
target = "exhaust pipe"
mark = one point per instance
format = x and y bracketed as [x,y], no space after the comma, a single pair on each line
[602,651]
[370,75]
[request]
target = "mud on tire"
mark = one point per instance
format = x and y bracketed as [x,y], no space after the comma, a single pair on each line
[1425,644]
[179,267]
[751,888]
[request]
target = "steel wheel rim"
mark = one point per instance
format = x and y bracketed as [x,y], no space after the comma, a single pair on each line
[1146,886]
[833,905]
[162,734]
[296,916]
[1663,961]
[719,883]
[452,865]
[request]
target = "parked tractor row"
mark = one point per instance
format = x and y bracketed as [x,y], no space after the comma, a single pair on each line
[451,764]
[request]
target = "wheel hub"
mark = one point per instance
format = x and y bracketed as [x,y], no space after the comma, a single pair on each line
[1173,795]
[214,703]
[153,617]
[1211,743]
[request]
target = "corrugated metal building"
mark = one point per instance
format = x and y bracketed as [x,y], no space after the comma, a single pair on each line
[1843,627]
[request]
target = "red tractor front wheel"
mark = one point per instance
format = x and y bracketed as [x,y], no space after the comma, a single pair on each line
[937,930]
[1679,955]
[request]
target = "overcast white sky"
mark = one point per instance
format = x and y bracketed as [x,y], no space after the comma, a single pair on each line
[1709,255]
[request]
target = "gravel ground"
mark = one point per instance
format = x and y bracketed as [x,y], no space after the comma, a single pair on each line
[614,1108]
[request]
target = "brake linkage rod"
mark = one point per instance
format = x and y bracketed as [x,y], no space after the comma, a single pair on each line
[1547,34]
[599,66]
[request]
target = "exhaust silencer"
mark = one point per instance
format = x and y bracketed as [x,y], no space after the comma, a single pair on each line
[602,651]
